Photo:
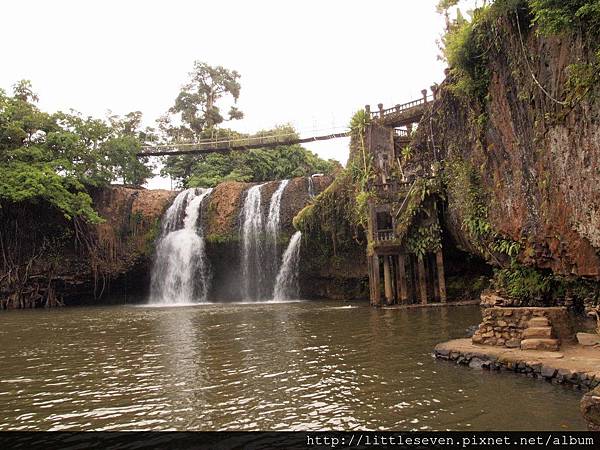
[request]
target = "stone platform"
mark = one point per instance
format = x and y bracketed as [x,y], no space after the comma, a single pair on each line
[573,365]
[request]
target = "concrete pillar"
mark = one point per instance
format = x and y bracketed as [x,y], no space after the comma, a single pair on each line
[439,259]
[368,109]
[434,90]
[401,280]
[424,92]
[376,287]
[387,280]
[422,279]
[380,106]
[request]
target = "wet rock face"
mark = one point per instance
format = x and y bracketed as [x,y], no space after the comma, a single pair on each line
[92,263]
[221,220]
[538,160]
[590,408]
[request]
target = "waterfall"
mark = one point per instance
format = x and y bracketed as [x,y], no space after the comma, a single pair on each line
[311,187]
[274,211]
[271,258]
[180,273]
[252,236]
[260,253]
[286,284]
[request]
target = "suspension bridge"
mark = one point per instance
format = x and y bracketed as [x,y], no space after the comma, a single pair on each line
[396,116]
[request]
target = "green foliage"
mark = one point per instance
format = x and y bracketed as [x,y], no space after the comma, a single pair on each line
[362,207]
[559,16]
[533,286]
[562,16]
[424,239]
[423,188]
[285,161]
[53,157]
[467,196]
[330,223]
[465,49]
[406,153]
[523,283]
[196,105]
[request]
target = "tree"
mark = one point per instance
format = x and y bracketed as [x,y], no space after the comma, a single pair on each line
[54,158]
[284,161]
[196,113]
[197,103]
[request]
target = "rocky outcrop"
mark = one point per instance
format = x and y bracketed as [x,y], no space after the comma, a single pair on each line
[53,261]
[537,159]
[221,225]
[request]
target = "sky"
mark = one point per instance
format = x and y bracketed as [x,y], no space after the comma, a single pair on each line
[308,63]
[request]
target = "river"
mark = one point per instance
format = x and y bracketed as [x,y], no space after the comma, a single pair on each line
[266,366]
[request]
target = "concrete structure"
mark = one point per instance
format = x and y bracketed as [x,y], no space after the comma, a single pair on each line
[397,275]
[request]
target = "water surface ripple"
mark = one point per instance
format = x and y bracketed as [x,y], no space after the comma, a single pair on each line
[285,366]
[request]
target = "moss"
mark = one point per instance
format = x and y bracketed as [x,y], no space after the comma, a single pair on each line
[424,239]
[469,199]
[532,286]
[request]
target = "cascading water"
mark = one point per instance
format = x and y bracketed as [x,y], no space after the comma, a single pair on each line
[286,284]
[311,186]
[271,257]
[274,211]
[252,237]
[180,273]
[260,253]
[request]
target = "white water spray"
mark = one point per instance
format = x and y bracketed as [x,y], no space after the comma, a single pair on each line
[252,236]
[286,284]
[181,274]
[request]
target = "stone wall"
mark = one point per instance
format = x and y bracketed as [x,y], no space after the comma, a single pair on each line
[504,327]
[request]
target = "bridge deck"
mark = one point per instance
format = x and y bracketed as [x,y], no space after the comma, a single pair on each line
[226,146]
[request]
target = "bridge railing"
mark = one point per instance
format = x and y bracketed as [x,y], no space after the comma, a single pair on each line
[381,112]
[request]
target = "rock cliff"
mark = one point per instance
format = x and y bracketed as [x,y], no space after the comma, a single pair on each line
[536,159]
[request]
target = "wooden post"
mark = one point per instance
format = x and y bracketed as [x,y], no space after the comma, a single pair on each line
[432,275]
[370,273]
[401,277]
[439,259]
[422,282]
[376,287]
[387,280]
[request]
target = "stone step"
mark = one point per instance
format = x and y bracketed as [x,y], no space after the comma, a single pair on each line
[538,322]
[537,332]
[550,345]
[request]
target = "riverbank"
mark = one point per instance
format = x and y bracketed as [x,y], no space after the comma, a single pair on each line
[574,365]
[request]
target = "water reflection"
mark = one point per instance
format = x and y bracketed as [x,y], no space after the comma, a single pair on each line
[257,366]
